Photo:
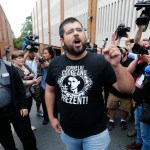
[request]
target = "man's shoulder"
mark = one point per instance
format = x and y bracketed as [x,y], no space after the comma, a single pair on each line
[59,58]
[97,58]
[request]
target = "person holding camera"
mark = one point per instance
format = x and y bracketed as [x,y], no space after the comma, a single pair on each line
[31,61]
[141,93]
[14,109]
[82,123]
[48,55]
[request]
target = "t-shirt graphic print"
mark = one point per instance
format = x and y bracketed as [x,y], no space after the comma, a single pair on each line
[74,82]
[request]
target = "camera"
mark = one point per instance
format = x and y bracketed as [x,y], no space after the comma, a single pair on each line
[30,40]
[131,40]
[138,49]
[105,42]
[121,31]
[91,47]
[144,18]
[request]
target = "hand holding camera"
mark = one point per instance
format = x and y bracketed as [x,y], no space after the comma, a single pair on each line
[29,43]
[144,17]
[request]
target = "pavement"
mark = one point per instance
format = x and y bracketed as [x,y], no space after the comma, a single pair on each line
[48,139]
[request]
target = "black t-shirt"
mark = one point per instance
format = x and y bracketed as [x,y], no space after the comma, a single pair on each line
[127,62]
[79,92]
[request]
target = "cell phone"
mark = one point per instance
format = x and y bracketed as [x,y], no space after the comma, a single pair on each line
[131,40]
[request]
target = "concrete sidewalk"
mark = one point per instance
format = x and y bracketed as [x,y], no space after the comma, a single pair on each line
[47,139]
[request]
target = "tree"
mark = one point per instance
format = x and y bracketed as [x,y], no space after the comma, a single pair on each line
[26,29]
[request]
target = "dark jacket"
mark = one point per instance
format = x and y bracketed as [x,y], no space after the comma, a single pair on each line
[17,87]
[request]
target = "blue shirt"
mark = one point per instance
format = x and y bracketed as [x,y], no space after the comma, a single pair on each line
[44,74]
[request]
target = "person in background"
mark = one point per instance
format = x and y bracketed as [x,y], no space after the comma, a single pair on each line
[82,122]
[117,98]
[47,54]
[31,62]
[14,109]
[141,94]
[27,76]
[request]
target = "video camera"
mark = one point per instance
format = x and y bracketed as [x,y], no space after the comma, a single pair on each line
[30,40]
[91,49]
[138,49]
[144,18]
[121,31]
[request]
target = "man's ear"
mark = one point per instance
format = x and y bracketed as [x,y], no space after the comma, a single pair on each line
[62,42]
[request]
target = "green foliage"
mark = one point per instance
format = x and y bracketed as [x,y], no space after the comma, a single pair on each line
[18,42]
[27,26]
[26,29]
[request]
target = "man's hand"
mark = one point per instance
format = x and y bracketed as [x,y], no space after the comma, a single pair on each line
[28,47]
[56,125]
[112,55]
[146,58]
[24,112]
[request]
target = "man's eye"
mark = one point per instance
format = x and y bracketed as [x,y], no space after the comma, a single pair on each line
[79,29]
[70,31]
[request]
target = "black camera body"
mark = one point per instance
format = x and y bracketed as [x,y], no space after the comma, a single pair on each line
[121,31]
[105,42]
[138,49]
[144,18]
[30,40]
[91,49]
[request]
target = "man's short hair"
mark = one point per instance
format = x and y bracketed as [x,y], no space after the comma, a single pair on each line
[66,21]
[17,53]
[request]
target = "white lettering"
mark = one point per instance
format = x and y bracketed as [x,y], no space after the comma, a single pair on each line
[76,100]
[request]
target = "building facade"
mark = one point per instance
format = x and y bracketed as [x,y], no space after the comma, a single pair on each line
[100,17]
[6,39]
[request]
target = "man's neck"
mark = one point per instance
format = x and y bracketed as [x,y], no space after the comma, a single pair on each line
[74,57]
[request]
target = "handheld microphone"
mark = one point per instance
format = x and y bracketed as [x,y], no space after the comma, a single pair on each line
[147,70]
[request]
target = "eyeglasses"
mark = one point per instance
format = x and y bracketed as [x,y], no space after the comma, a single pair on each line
[71,31]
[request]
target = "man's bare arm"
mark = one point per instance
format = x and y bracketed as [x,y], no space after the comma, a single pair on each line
[50,104]
[125,81]
[50,100]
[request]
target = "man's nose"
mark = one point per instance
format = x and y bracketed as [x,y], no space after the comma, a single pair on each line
[76,32]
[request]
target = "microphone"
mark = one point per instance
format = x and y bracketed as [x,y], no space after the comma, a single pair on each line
[147,70]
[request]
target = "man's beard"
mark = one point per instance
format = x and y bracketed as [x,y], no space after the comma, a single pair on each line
[73,51]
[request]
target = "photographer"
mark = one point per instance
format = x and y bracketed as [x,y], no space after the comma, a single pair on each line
[48,55]
[31,61]
[137,67]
